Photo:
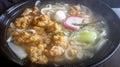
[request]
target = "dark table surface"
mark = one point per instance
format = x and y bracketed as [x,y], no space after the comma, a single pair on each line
[114,61]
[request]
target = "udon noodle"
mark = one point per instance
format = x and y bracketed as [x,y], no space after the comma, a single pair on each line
[55,33]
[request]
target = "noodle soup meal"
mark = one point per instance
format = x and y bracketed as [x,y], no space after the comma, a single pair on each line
[56,33]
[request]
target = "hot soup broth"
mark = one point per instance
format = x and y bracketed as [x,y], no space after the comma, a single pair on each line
[57,33]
